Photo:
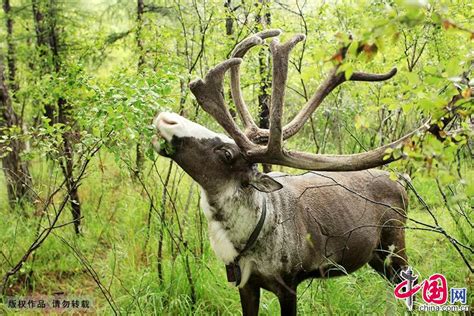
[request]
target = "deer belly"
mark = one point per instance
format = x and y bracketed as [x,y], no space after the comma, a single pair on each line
[344,254]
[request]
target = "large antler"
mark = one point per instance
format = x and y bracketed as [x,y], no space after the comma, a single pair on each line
[266,145]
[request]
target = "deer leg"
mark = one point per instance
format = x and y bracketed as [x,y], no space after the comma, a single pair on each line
[287,303]
[390,258]
[287,298]
[250,299]
[398,263]
[383,267]
[377,263]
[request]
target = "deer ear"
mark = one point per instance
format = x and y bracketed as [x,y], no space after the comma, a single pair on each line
[265,183]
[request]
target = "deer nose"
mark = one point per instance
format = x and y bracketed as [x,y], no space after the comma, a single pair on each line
[165,119]
[169,121]
[167,124]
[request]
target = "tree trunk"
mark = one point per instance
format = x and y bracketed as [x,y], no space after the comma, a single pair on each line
[47,39]
[68,152]
[42,46]
[229,20]
[141,62]
[17,174]
[67,166]
[229,31]
[16,171]
[264,98]
[10,47]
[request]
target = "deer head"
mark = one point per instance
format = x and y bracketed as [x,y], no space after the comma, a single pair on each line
[211,159]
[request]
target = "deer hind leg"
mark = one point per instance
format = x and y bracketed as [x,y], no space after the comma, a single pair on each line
[285,290]
[287,299]
[250,299]
[390,258]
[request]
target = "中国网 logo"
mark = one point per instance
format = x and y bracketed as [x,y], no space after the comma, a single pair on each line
[435,293]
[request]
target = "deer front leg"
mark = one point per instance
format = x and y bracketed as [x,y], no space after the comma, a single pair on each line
[250,299]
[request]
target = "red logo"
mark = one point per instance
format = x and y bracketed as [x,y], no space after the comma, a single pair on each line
[435,288]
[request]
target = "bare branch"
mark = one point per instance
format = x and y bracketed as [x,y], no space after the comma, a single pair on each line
[362,76]
[41,237]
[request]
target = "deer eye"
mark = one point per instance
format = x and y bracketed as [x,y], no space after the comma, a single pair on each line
[227,155]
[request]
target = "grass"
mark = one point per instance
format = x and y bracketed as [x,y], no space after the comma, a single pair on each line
[113,243]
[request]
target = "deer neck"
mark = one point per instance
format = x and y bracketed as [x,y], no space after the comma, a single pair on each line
[232,215]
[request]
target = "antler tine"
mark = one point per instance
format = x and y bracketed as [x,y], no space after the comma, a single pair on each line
[334,79]
[239,51]
[281,53]
[236,93]
[318,162]
[243,47]
[209,95]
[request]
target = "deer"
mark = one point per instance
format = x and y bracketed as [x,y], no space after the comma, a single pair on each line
[272,231]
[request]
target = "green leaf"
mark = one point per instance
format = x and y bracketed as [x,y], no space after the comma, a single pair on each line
[352,49]
[412,78]
[349,71]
